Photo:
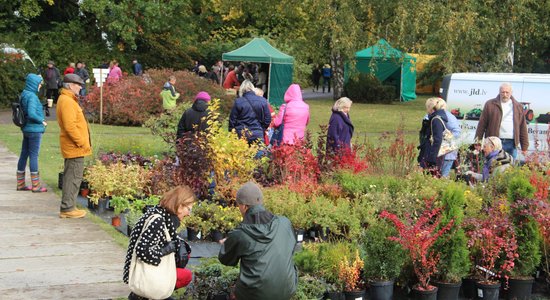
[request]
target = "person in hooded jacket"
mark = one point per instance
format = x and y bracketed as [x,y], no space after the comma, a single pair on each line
[32,134]
[250,114]
[169,95]
[294,115]
[340,128]
[263,244]
[194,118]
[438,122]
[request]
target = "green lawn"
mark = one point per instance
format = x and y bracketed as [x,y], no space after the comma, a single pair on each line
[370,120]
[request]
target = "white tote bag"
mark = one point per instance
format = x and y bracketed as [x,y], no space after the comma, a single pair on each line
[153,282]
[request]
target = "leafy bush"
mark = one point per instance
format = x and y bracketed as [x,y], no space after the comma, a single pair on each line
[13,70]
[212,278]
[134,99]
[308,288]
[455,262]
[383,257]
[366,88]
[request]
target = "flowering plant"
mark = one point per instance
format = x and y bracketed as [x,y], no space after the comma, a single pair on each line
[349,273]
[417,238]
[492,237]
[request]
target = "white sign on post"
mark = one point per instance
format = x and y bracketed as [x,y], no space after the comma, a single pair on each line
[100,75]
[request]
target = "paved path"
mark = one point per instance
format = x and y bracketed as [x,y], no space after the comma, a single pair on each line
[45,257]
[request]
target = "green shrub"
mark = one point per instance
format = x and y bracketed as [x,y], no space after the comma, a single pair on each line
[519,187]
[165,125]
[308,288]
[454,263]
[529,252]
[13,71]
[383,258]
[212,278]
[366,88]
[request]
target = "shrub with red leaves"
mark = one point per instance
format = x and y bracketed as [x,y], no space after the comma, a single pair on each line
[541,184]
[134,99]
[349,159]
[296,166]
[493,238]
[417,236]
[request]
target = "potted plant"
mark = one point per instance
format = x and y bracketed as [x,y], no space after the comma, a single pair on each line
[528,252]
[120,205]
[454,263]
[383,259]
[349,273]
[212,281]
[418,237]
[328,259]
[492,238]
[136,210]
[309,287]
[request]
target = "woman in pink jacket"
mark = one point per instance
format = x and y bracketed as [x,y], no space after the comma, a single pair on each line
[296,116]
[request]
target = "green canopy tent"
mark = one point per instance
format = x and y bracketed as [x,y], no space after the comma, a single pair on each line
[389,64]
[281,66]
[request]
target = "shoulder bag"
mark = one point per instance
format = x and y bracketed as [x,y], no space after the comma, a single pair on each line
[448,143]
[153,282]
[277,137]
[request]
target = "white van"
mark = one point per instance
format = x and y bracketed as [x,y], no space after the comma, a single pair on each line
[466,94]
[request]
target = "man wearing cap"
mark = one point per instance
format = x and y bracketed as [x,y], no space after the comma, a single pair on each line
[74,139]
[194,118]
[264,244]
[52,78]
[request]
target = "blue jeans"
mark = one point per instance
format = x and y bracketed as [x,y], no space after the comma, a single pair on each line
[508,146]
[30,149]
[446,167]
[326,82]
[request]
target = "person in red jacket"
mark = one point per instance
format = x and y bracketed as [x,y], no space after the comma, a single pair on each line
[232,78]
[69,69]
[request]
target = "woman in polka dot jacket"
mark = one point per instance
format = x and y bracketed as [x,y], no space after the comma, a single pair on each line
[174,206]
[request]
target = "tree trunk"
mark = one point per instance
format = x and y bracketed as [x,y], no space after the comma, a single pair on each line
[509,64]
[337,75]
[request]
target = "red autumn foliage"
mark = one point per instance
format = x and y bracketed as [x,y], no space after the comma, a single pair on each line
[541,184]
[349,159]
[134,99]
[494,239]
[296,166]
[417,236]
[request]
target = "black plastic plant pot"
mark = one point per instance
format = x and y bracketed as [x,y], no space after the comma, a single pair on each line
[520,289]
[60,180]
[381,290]
[426,294]
[468,288]
[448,290]
[333,296]
[216,235]
[192,234]
[300,235]
[488,291]
[354,295]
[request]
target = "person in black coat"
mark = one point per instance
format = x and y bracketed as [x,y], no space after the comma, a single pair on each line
[340,128]
[250,115]
[194,118]
[437,121]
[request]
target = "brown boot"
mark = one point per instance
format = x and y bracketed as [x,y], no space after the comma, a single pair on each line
[21,186]
[36,188]
[73,214]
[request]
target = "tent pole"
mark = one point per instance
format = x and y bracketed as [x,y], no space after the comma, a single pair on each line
[221,73]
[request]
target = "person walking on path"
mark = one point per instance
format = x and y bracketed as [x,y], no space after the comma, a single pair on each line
[503,117]
[454,127]
[294,115]
[316,78]
[52,78]
[83,73]
[250,115]
[32,134]
[169,95]
[137,69]
[327,75]
[194,118]
[74,139]
[263,244]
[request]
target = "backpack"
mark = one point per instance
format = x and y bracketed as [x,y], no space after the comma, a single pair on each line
[18,114]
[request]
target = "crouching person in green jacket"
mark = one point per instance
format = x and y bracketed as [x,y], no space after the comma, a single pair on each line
[264,243]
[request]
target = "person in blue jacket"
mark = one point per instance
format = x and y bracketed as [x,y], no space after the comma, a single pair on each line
[250,115]
[340,128]
[437,123]
[327,75]
[32,134]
